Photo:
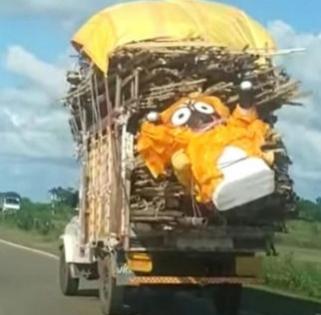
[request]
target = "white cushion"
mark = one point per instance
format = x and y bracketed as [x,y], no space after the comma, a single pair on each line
[245,179]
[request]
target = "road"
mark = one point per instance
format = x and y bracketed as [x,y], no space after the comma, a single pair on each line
[28,286]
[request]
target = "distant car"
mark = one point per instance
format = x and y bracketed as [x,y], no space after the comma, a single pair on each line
[10,203]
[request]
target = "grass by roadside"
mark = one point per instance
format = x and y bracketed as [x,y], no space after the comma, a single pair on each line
[301,234]
[36,225]
[48,243]
[12,232]
[301,254]
[296,276]
[297,268]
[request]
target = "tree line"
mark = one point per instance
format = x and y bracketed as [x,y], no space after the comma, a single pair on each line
[309,210]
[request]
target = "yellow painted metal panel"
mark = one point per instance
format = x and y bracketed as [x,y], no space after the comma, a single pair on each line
[248,266]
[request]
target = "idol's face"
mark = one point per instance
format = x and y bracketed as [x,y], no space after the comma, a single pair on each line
[196,115]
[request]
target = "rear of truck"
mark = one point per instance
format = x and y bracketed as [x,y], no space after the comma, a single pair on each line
[138,229]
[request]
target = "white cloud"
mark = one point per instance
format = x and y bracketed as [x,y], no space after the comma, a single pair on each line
[34,123]
[301,127]
[36,149]
[21,62]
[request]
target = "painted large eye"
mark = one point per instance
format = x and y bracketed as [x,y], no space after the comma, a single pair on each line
[181,116]
[204,108]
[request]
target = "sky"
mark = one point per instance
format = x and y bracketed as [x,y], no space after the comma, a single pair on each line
[37,152]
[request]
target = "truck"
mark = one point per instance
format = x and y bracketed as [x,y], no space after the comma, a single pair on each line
[144,70]
[10,202]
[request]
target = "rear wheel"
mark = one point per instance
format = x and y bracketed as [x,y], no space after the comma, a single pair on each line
[68,284]
[111,295]
[227,299]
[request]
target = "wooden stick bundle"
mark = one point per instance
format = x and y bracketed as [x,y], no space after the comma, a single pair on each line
[162,74]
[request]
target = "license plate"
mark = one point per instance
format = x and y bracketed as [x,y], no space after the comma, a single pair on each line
[224,243]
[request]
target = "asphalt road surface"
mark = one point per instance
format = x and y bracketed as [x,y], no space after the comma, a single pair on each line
[29,286]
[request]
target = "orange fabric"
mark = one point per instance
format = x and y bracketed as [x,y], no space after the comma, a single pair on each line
[182,168]
[242,130]
[158,143]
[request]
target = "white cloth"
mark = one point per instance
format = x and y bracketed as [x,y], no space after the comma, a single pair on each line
[245,179]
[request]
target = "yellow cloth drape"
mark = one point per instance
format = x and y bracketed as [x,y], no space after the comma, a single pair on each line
[217,24]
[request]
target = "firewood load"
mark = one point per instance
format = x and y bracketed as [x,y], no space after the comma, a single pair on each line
[164,75]
[149,75]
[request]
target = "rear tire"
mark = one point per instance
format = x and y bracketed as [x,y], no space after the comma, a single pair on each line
[68,284]
[227,300]
[111,296]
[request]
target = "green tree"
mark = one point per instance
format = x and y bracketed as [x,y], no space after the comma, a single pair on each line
[310,210]
[64,196]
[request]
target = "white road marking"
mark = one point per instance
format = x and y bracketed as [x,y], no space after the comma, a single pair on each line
[29,249]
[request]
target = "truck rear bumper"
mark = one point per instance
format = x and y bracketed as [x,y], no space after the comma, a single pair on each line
[244,270]
[193,281]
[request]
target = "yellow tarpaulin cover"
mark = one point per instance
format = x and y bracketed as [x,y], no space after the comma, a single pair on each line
[214,23]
